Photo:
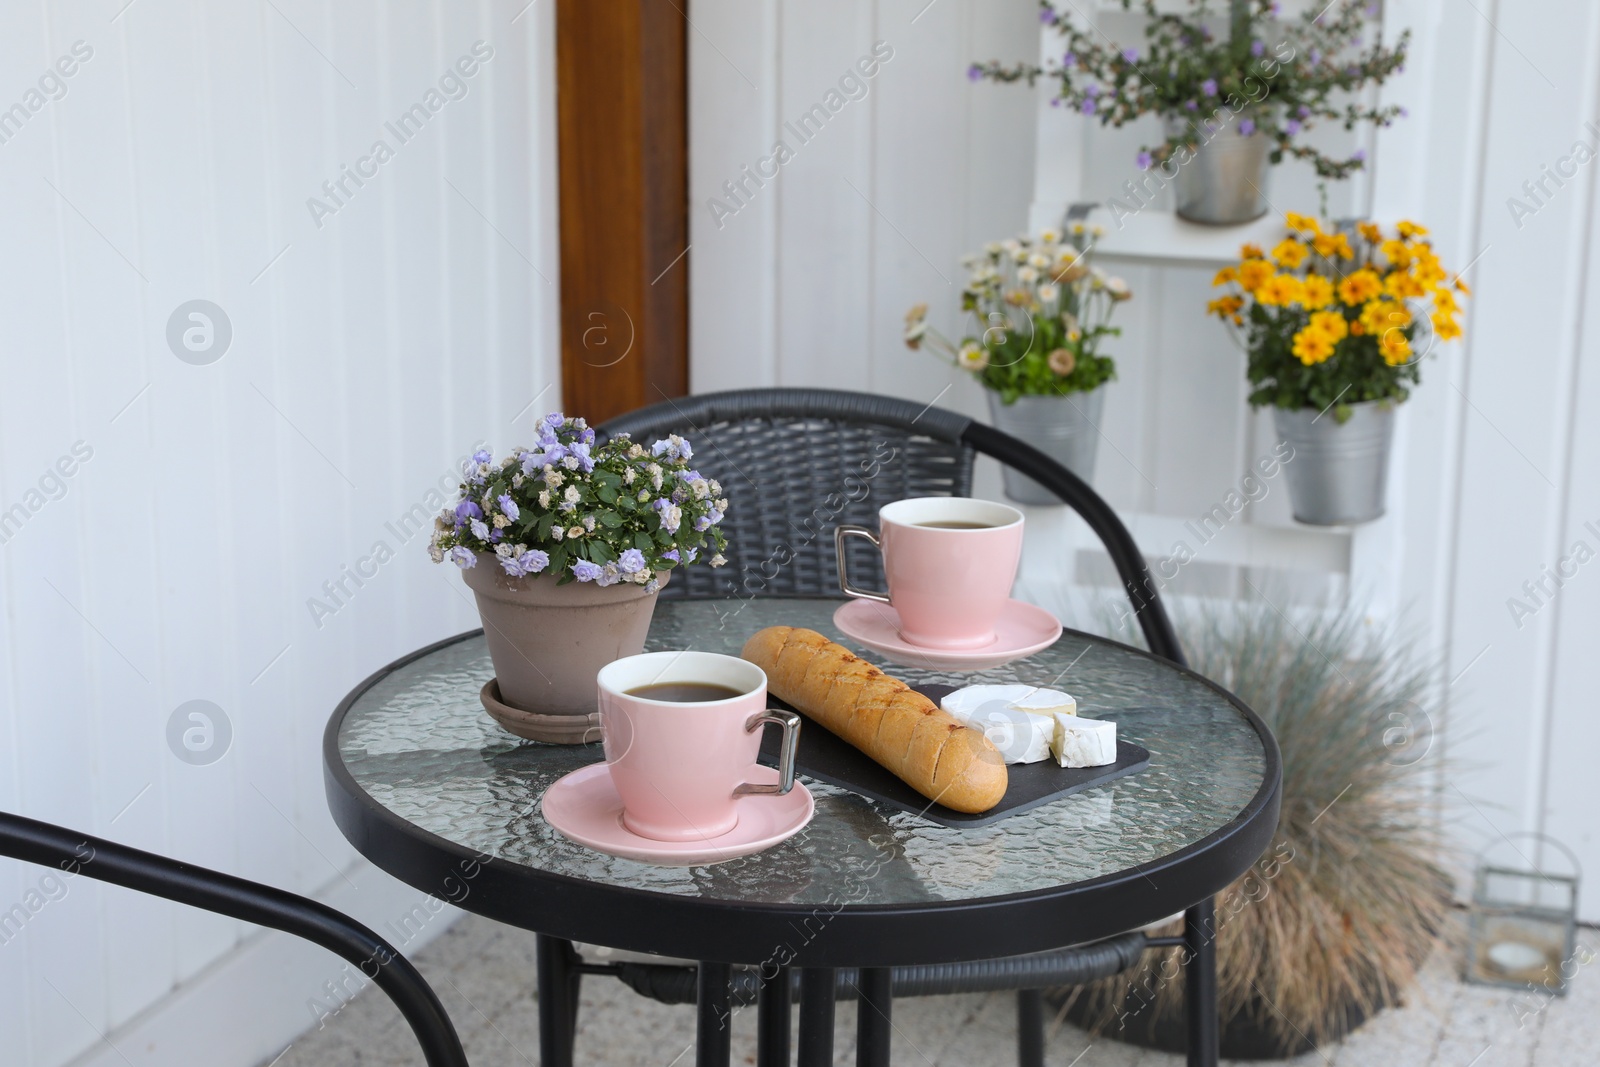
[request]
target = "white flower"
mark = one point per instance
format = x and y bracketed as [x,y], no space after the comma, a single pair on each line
[1011,245]
[972,357]
[588,524]
[502,550]
[1118,289]
[721,503]
[992,248]
[701,489]
[1049,236]
[644,494]
[1098,278]
[501,522]
[915,332]
[717,560]
[1098,231]
[571,463]
[575,531]
[571,496]
[436,553]
[1079,229]
[1048,292]
[544,499]
[1027,275]
[553,478]
[557,532]
[635,450]
[628,474]
[1039,261]
[716,487]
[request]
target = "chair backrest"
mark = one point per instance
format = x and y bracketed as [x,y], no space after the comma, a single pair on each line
[794,463]
[145,872]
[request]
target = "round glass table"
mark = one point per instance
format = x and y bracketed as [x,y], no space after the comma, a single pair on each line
[429,788]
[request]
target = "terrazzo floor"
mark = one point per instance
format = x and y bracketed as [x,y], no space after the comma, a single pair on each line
[483,972]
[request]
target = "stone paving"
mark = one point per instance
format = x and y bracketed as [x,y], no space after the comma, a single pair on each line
[483,972]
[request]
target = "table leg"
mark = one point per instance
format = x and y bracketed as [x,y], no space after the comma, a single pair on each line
[1200,982]
[713,1045]
[773,1001]
[875,1002]
[1030,1028]
[558,1002]
[816,1017]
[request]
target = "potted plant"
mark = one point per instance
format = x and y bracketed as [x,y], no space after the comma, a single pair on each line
[1233,104]
[565,546]
[1040,311]
[1335,325]
[1332,923]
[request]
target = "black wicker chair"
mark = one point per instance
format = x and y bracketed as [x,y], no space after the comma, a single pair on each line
[145,872]
[797,462]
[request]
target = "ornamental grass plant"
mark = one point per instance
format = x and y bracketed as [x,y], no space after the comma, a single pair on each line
[1335,919]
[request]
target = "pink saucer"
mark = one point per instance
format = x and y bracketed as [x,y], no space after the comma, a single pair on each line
[584,807]
[1023,629]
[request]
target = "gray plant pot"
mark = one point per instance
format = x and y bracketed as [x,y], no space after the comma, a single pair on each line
[548,642]
[1226,181]
[1339,474]
[1065,428]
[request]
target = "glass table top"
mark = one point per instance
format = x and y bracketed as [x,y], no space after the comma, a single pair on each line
[422,746]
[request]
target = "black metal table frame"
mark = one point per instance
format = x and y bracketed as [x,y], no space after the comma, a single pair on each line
[720,933]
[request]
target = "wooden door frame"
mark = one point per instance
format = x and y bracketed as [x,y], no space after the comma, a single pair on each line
[622,136]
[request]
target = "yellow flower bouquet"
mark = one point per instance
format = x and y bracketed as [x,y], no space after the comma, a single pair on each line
[1334,318]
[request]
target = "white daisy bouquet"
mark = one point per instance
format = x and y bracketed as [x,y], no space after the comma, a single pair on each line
[617,512]
[1040,310]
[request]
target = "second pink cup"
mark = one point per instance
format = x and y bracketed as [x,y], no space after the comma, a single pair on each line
[949,561]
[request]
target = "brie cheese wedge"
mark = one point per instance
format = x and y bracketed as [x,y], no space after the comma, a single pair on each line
[1080,742]
[1018,719]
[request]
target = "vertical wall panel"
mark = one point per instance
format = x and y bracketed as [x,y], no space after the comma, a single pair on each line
[368,354]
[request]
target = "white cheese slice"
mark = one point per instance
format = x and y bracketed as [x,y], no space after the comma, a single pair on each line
[1080,742]
[1046,702]
[1020,736]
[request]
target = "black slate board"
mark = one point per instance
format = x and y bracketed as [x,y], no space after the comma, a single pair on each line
[829,759]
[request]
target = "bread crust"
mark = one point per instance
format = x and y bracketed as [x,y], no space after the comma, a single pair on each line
[905,732]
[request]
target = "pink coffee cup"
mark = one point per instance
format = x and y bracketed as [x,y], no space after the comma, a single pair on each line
[950,562]
[680,766]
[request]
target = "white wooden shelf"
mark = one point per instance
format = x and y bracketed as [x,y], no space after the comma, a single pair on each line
[1160,238]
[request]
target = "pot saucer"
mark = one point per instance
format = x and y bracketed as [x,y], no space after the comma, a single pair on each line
[536,726]
[584,807]
[1022,630]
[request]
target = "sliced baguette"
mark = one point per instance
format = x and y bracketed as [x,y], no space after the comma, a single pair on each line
[924,746]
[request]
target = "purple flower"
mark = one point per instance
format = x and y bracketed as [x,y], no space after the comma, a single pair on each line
[480,529]
[1246,127]
[580,451]
[1304,111]
[1291,127]
[482,455]
[462,558]
[1143,160]
[690,555]
[609,575]
[1360,155]
[1315,57]
[508,506]
[1091,90]
[631,561]
[1257,49]
[1191,105]
[1069,60]
[534,560]
[1055,102]
[552,422]
[585,571]
[1209,87]
[1047,17]
[467,509]
[1404,113]
[1087,107]
[671,554]
[1131,55]
[974,73]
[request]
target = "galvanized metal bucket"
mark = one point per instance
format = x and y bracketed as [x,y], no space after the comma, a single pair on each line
[1339,473]
[1226,181]
[1065,428]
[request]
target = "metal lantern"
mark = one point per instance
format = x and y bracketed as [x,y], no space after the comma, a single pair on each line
[1523,919]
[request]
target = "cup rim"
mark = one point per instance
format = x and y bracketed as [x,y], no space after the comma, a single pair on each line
[886,514]
[667,658]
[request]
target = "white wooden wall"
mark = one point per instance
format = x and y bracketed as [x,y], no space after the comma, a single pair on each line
[367,356]
[1498,461]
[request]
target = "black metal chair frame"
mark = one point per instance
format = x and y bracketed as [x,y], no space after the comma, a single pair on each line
[1029,975]
[93,857]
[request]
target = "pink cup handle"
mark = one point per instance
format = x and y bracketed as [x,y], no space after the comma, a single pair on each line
[791,743]
[840,533]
